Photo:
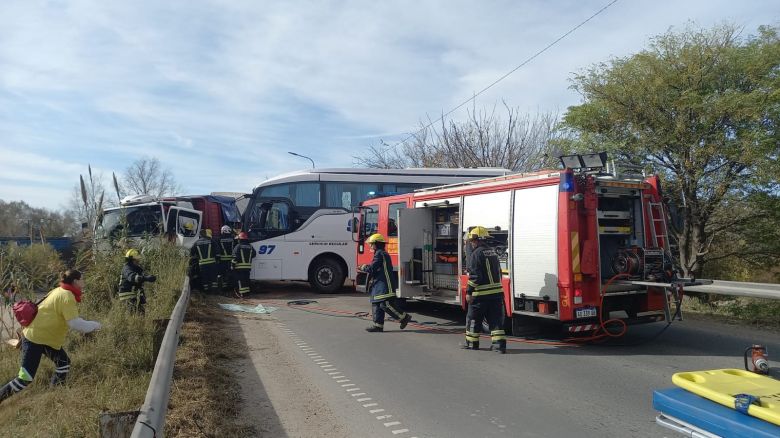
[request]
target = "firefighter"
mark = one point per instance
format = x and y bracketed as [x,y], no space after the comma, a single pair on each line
[381,286]
[484,294]
[131,282]
[225,256]
[243,253]
[203,263]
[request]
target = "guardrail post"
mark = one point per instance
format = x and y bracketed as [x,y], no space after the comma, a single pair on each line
[159,332]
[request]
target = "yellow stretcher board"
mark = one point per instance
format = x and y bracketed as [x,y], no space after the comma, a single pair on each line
[720,386]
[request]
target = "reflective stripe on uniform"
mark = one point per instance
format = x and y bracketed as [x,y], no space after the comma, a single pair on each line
[497,335]
[24,375]
[124,296]
[225,255]
[384,296]
[18,384]
[396,312]
[488,289]
[244,263]
[209,259]
[472,337]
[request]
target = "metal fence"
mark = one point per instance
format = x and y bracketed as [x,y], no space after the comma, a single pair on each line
[739,288]
[151,419]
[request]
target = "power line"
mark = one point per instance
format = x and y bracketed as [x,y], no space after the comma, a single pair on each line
[531,58]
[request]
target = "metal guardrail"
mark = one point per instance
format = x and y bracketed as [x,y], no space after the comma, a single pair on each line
[739,288]
[151,418]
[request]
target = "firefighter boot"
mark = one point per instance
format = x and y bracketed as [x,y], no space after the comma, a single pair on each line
[374,328]
[499,347]
[470,345]
[405,320]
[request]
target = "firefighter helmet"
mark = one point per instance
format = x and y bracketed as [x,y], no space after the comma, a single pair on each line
[225,229]
[132,254]
[376,237]
[188,226]
[478,232]
[243,236]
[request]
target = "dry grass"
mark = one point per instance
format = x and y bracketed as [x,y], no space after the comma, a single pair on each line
[206,400]
[110,369]
[754,311]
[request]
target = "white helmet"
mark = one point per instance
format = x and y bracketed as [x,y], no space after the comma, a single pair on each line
[225,229]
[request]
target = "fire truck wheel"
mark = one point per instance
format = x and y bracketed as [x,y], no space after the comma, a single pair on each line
[326,275]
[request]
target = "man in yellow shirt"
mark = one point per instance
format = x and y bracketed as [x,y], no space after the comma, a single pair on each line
[46,333]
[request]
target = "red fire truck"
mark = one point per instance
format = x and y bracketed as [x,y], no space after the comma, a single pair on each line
[580,246]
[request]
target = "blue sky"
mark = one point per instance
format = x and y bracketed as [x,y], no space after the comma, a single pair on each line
[219,91]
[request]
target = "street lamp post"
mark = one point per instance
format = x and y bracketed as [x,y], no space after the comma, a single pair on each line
[303,156]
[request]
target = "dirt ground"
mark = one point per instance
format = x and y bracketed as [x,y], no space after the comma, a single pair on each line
[272,373]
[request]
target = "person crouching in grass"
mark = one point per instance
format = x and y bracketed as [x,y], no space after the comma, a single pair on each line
[46,333]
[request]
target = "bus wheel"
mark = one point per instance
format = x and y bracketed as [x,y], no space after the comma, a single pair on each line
[326,275]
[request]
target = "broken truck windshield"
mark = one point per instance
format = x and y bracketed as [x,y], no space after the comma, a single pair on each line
[135,221]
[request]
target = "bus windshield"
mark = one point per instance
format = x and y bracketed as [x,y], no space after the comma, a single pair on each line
[132,221]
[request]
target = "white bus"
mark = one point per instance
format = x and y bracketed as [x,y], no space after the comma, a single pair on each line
[300,222]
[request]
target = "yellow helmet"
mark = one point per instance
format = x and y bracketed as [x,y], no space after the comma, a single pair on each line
[478,232]
[133,253]
[189,226]
[376,237]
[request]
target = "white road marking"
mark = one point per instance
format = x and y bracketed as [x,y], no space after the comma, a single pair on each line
[349,387]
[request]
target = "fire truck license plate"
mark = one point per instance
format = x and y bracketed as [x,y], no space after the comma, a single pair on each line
[585,312]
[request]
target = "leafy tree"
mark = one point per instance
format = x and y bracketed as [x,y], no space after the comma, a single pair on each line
[484,140]
[146,176]
[701,108]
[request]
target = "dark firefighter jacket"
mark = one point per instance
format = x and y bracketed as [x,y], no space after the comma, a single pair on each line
[225,249]
[243,253]
[484,271]
[382,280]
[131,282]
[202,253]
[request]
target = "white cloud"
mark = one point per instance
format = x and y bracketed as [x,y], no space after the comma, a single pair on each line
[219,91]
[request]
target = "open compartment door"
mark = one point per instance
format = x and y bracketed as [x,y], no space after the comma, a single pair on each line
[185,224]
[413,225]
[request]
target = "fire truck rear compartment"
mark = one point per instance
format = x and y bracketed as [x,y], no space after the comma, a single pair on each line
[623,253]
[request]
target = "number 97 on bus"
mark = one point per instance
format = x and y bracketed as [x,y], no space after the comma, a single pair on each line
[265,249]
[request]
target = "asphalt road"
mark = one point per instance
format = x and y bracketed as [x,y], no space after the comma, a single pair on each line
[418,383]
